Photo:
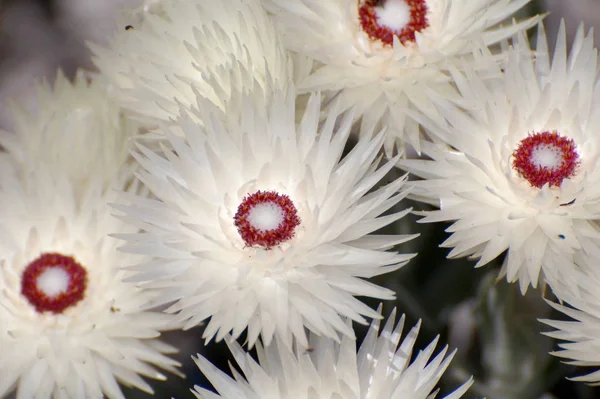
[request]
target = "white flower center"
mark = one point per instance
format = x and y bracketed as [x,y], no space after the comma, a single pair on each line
[395,14]
[53,281]
[546,156]
[266,216]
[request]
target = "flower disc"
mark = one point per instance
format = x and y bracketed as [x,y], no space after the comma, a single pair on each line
[383,19]
[544,158]
[54,282]
[266,219]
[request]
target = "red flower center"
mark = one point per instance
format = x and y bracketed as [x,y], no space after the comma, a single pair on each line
[53,282]
[266,219]
[384,19]
[544,158]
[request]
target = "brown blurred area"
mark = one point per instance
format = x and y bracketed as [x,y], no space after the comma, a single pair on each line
[574,12]
[39,36]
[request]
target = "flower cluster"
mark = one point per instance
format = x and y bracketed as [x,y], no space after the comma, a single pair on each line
[239,164]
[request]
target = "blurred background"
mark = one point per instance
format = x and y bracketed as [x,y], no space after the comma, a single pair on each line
[494,328]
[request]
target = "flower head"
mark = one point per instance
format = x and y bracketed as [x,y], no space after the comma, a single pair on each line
[78,131]
[260,224]
[518,170]
[177,50]
[382,369]
[384,56]
[69,325]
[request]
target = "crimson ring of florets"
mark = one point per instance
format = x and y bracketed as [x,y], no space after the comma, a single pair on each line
[266,238]
[367,17]
[539,176]
[75,289]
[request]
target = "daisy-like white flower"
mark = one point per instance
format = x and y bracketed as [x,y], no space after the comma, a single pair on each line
[69,326]
[382,56]
[382,369]
[178,49]
[77,131]
[519,171]
[260,225]
[583,341]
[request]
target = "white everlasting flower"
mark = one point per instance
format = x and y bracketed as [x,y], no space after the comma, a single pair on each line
[382,56]
[69,326]
[519,171]
[260,225]
[78,131]
[179,49]
[583,341]
[382,369]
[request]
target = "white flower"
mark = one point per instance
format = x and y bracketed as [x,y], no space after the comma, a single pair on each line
[69,326]
[582,332]
[519,171]
[384,56]
[78,131]
[382,369]
[260,224]
[179,49]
